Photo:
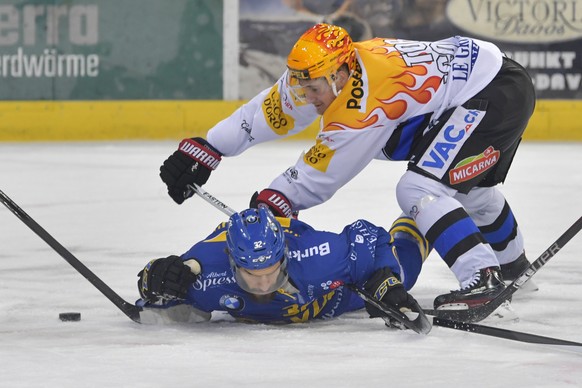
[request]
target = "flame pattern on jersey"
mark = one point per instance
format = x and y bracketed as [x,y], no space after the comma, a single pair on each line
[386,84]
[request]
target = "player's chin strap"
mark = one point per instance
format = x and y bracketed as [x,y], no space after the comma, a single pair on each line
[420,324]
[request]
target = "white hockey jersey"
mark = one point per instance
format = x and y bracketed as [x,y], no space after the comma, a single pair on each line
[394,82]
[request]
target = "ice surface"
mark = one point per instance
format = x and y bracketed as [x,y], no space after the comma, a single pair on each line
[106,204]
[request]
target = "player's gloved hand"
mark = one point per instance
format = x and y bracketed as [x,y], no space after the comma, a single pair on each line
[167,278]
[387,288]
[192,163]
[276,201]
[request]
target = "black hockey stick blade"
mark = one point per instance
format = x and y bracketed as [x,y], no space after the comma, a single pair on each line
[420,324]
[132,311]
[479,313]
[501,333]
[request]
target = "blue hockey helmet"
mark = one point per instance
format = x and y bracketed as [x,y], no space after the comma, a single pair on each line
[256,242]
[255,239]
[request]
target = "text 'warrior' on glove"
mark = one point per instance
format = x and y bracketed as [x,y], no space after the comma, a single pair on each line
[276,201]
[387,288]
[167,278]
[192,163]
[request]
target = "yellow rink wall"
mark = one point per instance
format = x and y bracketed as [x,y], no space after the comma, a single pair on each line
[553,120]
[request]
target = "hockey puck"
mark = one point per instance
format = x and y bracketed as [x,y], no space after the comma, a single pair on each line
[70,317]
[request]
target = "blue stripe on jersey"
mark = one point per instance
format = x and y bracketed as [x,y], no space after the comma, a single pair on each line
[408,131]
[405,133]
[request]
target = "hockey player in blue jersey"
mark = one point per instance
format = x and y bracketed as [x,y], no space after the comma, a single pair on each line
[259,268]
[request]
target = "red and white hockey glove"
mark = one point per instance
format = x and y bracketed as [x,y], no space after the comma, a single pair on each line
[192,163]
[276,201]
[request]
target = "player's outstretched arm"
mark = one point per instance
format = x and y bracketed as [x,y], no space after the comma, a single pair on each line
[167,278]
[386,287]
[191,164]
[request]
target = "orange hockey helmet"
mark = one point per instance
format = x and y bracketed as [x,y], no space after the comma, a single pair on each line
[320,52]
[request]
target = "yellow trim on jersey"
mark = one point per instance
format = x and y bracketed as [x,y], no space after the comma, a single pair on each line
[408,225]
[218,238]
[284,221]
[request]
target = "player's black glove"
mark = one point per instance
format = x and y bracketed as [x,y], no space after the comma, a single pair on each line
[386,287]
[192,163]
[276,201]
[167,278]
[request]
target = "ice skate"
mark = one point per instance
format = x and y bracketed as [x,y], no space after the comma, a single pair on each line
[511,271]
[486,284]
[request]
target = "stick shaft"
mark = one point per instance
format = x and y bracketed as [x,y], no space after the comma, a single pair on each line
[502,333]
[211,199]
[127,308]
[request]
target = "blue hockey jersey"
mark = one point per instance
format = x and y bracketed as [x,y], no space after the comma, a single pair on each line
[320,264]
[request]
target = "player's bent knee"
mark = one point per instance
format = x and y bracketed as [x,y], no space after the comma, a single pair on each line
[414,189]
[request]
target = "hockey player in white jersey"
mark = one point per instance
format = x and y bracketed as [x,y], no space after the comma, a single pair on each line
[456,109]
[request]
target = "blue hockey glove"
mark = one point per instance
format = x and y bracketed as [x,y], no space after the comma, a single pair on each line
[192,163]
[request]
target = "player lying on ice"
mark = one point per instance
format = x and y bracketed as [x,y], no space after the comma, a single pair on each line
[259,268]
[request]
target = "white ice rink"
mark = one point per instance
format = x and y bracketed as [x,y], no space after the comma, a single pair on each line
[107,205]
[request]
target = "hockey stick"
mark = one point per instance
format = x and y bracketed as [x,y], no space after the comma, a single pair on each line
[420,325]
[211,199]
[501,333]
[132,311]
[479,313]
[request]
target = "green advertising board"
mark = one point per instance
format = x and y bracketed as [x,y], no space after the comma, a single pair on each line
[168,69]
[110,49]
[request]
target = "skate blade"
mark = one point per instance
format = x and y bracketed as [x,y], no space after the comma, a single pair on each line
[503,313]
[453,306]
[525,289]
